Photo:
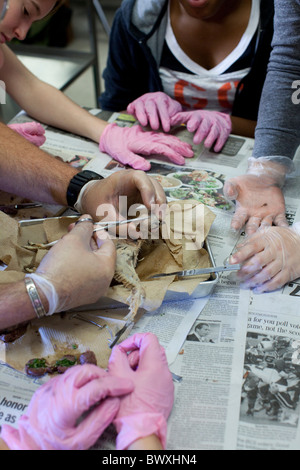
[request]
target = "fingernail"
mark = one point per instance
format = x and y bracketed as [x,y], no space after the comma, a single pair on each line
[258,290]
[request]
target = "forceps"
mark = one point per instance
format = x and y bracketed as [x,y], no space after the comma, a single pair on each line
[116,223]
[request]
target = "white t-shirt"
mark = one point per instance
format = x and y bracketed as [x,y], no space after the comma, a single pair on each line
[197,88]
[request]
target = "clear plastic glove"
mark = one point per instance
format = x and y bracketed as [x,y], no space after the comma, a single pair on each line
[70,412]
[76,271]
[258,195]
[270,257]
[155,109]
[211,126]
[145,411]
[105,197]
[31,131]
[126,144]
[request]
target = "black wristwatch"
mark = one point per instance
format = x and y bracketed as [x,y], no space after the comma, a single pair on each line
[77,183]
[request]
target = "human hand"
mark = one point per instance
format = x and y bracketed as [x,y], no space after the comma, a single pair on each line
[155,109]
[270,257]
[70,412]
[126,144]
[259,198]
[105,197]
[145,411]
[76,269]
[31,131]
[212,126]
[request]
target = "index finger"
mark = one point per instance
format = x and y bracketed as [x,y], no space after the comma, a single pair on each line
[83,228]
[140,112]
[150,189]
[153,114]
[253,246]
[239,218]
[164,117]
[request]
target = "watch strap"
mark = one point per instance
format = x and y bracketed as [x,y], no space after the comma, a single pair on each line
[77,183]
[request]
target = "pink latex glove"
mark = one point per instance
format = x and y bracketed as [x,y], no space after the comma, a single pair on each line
[55,417]
[212,126]
[126,144]
[144,411]
[155,109]
[31,131]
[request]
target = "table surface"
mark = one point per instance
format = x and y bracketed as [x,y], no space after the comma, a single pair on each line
[216,406]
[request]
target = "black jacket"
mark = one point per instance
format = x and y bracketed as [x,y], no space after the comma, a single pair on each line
[135,50]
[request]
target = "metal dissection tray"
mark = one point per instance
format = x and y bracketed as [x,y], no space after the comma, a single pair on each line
[203,289]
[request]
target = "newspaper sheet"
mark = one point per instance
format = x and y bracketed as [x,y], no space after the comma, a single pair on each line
[270,407]
[235,355]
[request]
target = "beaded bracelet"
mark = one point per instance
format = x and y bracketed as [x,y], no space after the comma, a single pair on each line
[35,298]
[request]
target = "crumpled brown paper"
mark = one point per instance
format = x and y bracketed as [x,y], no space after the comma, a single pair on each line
[178,248]
[53,335]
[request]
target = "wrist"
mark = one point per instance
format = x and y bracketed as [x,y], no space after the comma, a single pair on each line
[103,139]
[37,303]
[77,183]
[46,292]
[151,442]
[83,205]
[139,426]
[272,169]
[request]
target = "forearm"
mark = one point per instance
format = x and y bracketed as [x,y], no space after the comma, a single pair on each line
[44,102]
[243,127]
[15,305]
[52,107]
[278,127]
[277,131]
[29,172]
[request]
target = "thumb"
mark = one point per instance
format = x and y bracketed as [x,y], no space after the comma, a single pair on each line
[117,386]
[137,162]
[131,108]
[231,190]
[99,389]
[107,249]
[34,128]
[94,424]
[118,364]
[179,118]
[83,228]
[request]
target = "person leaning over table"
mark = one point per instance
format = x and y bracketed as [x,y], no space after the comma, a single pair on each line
[71,411]
[270,257]
[48,105]
[198,62]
